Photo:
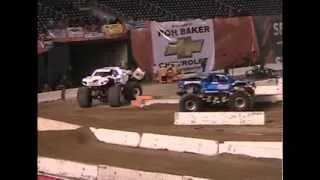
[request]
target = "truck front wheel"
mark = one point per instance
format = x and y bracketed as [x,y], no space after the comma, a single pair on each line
[190,103]
[84,97]
[114,96]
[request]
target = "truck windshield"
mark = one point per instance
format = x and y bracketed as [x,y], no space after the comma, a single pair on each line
[222,78]
[103,74]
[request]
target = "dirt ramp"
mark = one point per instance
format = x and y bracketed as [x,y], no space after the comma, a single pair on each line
[81,136]
[85,136]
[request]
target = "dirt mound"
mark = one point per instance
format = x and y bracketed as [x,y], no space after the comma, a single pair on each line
[81,136]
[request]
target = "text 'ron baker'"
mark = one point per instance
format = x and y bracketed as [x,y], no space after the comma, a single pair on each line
[184,31]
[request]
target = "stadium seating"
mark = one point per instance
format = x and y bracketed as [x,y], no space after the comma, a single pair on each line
[53,13]
[167,10]
[41,28]
[211,8]
[62,14]
[80,3]
[57,10]
[257,7]
[136,9]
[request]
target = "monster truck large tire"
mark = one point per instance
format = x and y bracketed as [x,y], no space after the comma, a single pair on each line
[114,96]
[190,103]
[240,101]
[84,97]
[132,90]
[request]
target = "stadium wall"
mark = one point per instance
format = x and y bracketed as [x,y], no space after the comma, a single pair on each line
[58,61]
[42,73]
[237,39]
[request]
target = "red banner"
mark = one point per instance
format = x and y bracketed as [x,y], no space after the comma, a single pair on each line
[269,35]
[43,177]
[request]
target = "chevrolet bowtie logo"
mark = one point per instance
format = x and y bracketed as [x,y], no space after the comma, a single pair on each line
[184,47]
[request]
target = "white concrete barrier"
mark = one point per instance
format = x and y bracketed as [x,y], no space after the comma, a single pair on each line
[49,96]
[262,144]
[274,66]
[219,118]
[71,93]
[179,144]
[125,138]
[56,95]
[67,169]
[268,90]
[64,169]
[45,124]
[193,178]
[253,149]
[160,101]
[269,98]
[267,82]
[117,173]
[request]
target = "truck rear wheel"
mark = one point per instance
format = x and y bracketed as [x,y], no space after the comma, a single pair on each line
[190,103]
[114,96]
[132,90]
[241,101]
[84,97]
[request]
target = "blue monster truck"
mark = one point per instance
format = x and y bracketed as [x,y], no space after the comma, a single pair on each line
[213,89]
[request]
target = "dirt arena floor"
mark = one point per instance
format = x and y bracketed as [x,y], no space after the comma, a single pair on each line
[80,145]
[159,119]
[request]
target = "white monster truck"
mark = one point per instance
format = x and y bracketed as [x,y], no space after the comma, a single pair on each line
[112,85]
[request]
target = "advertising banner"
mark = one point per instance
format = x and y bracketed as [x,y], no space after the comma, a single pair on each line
[112,29]
[186,45]
[94,35]
[235,42]
[75,32]
[269,36]
[58,33]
